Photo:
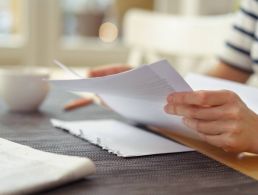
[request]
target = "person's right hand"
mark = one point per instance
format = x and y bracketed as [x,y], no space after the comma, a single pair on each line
[108,70]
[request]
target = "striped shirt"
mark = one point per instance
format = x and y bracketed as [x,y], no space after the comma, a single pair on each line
[241,47]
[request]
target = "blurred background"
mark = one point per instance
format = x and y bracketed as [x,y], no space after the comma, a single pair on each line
[92,32]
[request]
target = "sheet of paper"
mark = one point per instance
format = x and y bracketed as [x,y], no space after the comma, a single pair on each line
[247,93]
[139,94]
[120,138]
[25,170]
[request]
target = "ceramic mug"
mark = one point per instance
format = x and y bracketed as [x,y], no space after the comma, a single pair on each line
[23,89]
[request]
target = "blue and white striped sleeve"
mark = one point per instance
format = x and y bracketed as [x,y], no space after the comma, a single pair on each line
[238,46]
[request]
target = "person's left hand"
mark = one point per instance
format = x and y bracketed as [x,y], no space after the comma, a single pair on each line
[219,117]
[108,70]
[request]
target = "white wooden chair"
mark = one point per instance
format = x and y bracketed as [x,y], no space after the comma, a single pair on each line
[150,33]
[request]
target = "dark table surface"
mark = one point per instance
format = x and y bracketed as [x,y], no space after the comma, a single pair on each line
[181,173]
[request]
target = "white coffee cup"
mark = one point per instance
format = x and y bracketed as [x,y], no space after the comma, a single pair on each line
[23,89]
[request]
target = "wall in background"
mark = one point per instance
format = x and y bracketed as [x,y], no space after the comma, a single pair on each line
[37,31]
[196,7]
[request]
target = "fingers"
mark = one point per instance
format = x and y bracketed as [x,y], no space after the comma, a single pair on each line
[214,133]
[195,112]
[185,104]
[109,70]
[208,127]
[222,134]
[201,98]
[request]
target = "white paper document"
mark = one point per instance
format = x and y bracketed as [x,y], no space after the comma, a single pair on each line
[139,95]
[25,170]
[120,138]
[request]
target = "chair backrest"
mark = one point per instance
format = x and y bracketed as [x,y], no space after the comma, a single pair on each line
[177,35]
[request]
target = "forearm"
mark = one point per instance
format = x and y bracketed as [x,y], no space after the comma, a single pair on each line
[225,71]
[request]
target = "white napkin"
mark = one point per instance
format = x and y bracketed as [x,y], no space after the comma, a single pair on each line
[27,170]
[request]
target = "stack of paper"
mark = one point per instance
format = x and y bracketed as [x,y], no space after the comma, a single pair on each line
[25,170]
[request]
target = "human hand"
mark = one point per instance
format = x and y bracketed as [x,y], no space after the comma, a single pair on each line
[219,117]
[108,70]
